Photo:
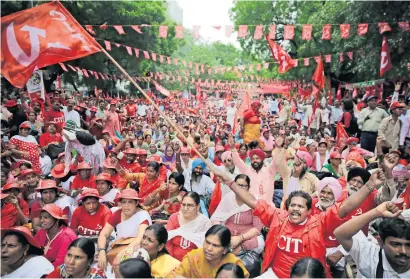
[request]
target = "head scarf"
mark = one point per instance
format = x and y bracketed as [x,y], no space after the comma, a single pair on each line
[258,152]
[226,155]
[198,162]
[166,158]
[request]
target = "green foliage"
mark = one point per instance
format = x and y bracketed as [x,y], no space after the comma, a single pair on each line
[366,62]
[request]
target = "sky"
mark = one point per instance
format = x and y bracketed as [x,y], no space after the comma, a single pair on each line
[208,13]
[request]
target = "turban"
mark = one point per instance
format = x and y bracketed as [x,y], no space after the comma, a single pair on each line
[356,157]
[400,170]
[198,162]
[305,156]
[258,152]
[355,172]
[226,155]
[334,184]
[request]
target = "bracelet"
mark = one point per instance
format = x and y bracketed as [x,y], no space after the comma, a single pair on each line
[369,187]
[243,239]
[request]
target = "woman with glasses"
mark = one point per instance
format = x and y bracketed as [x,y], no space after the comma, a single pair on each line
[25,147]
[186,228]
[238,218]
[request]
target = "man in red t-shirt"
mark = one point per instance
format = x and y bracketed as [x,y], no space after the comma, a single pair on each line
[131,108]
[55,114]
[90,218]
[51,136]
[129,162]
[84,178]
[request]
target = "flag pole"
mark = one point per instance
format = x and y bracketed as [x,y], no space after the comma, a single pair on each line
[170,122]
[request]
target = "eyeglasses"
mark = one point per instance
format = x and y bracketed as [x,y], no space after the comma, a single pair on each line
[189,205]
[244,186]
[227,161]
[301,159]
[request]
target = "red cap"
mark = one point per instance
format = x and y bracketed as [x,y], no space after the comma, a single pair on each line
[129,194]
[52,209]
[25,125]
[185,150]
[27,235]
[104,176]
[396,151]
[26,172]
[83,105]
[352,140]
[84,166]
[11,185]
[219,148]
[93,109]
[142,152]
[46,184]
[131,151]
[107,164]
[3,196]
[89,193]
[335,155]
[59,171]
[104,132]
[395,105]
[156,158]
[10,103]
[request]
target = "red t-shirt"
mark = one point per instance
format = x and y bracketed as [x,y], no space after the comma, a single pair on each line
[56,116]
[132,168]
[178,246]
[290,249]
[115,219]
[131,110]
[46,138]
[87,224]
[79,183]
[9,214]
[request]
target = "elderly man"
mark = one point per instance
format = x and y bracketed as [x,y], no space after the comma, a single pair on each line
[196,181]
[390,127]
[262,178]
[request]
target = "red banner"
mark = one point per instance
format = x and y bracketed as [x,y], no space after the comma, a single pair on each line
[272,32]
[362,29]
[48,33]
[344,31]
[280,55]
[242,31]
[289,32]
[327,32]
[385,60]
[307,32]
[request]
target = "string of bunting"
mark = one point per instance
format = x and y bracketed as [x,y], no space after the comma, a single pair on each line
[201,68]
[260,29]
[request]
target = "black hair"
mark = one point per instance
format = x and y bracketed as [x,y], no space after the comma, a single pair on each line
[161,235]
[223,232]
[147,135]
[395,228]
[236,269]
[194,196]
[253,144]
[301,194]
[245,177]
[154,165]
[89,197]
[23,240]
[308,267]
[135,268]
[26,164]
[85,244]
[348,105]
[178,177]
[56,190]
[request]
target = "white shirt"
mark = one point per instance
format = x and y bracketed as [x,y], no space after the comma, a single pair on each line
[204,187]
[45,165]
[366,256]
[72,115]
[230,115]
[142,110]
[336,114]
[273,105]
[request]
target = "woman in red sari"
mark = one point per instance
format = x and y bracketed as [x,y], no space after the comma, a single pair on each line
[25,147]
[250,123]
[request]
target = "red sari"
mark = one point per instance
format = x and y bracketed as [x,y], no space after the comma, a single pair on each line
[30,145]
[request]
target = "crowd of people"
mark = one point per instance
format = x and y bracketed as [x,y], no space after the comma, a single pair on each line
[100,187]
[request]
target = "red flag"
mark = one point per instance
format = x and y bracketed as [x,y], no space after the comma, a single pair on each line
[341,136]
[355,93]
[272,32]
[63,67]
[280,55]
[41,32]
[289,32]
[384,27]
[362,29]
[307,32]
[339,93]
[215,198]
[328,58]
[179,32]
[350,55]
[90,29]
[327,32]
[405,26]
[304,92]
[385,60]
[242,31]
[163,31]
[136,28]
[306,61]
[319,75]
[119,29]
[258,32]
[344,31]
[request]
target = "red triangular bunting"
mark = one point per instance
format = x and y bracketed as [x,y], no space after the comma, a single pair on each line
[63,67]
[344,31]
[129,50]
[384,27]
[272,32]
[90,29]
[119,29]
[179,32]
[154,56]
[327,32]
[350,54]
[362,29]
[258,32]
[289,32]
[306,61]
[107,45]
[405,26]
[137,52]
[307,32]
[146,54]
[242,31]
[136,28]
[328,58]
[163,31]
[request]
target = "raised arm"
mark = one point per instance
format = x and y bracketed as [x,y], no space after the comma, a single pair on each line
[344,233]
[378,177]
[243,168]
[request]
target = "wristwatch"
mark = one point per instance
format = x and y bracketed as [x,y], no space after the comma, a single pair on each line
[369,187]
[102,249]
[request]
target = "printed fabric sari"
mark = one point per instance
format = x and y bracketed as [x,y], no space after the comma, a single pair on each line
[30,145]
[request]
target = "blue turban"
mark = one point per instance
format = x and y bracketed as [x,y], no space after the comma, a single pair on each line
[198,162]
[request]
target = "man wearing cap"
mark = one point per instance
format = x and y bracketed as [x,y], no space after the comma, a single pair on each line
[390,127]
[19,116]
[90,217]
[14,210]
[29,180]
[55,114]
[117,181]
[267,140]
[51,136]
[183,160]
[84,179]
[262,177]
[129,163]
[369,120]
